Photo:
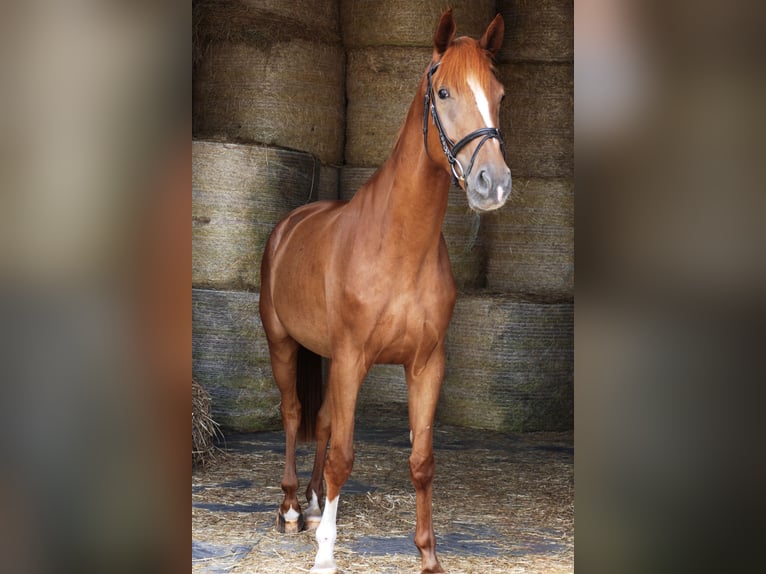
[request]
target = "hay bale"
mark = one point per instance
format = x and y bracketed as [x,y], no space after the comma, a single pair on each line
[540,30]
[223,17]
[509,364]
[537,119]
[239,193]
[381,83]
[409,22]
[261,77]
[530,242]
[352,178]
[384,386]
[460,229]
[205,430]
[230,357]
[329,182]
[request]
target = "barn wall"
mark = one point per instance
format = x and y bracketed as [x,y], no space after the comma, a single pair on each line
[268,126]
[351,69]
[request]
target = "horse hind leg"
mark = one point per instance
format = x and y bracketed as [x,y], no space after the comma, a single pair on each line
[315,490]
[284,355]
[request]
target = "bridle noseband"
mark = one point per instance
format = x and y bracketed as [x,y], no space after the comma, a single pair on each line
[450,148]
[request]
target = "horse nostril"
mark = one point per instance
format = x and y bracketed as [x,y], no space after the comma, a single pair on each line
[483,183]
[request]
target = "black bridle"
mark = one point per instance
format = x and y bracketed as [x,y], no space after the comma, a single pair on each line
[450,148]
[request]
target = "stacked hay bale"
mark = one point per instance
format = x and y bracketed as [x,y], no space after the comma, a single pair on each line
[389,45]
[268,76]
[510,347]
[239,193]
[270,72]
[509,363]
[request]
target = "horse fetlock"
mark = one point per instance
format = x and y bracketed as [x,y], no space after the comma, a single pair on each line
[313,514]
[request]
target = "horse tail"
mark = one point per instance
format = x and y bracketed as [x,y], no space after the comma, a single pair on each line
[310,392]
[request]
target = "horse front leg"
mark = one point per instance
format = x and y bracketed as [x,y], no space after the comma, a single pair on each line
[423,395]
[345,379]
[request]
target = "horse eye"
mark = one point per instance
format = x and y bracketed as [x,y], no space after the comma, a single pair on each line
[443,93]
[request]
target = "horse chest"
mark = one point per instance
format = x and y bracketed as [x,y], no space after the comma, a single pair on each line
[409,325]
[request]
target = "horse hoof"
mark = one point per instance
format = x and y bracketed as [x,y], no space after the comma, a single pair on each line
[290,526]
[324,570]
[312,522]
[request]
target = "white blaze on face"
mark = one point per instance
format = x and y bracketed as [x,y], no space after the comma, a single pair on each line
[325,535]
[481,100]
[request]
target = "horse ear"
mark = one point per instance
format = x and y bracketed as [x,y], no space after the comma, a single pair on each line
[492,40]
[445,32]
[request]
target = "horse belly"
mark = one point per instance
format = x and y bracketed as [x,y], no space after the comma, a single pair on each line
[305,321]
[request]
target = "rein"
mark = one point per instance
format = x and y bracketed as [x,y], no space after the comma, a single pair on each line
[450,148]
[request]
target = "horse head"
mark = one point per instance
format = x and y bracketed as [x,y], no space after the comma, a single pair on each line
[462,103]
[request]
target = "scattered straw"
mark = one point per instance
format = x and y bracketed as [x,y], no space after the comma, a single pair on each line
[205,431]
[502,503]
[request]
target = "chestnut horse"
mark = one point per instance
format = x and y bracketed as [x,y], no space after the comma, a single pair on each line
[369,281]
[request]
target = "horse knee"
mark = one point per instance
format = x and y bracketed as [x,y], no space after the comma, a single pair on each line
[422,469]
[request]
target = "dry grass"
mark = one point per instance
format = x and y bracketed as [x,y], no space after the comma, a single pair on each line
[502,503]
[205,431]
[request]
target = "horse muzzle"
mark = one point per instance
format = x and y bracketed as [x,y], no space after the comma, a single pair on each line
[488,187]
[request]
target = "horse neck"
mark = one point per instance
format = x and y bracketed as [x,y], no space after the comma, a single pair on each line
[411,189]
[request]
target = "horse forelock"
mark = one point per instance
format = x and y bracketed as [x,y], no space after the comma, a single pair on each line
[465,60]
